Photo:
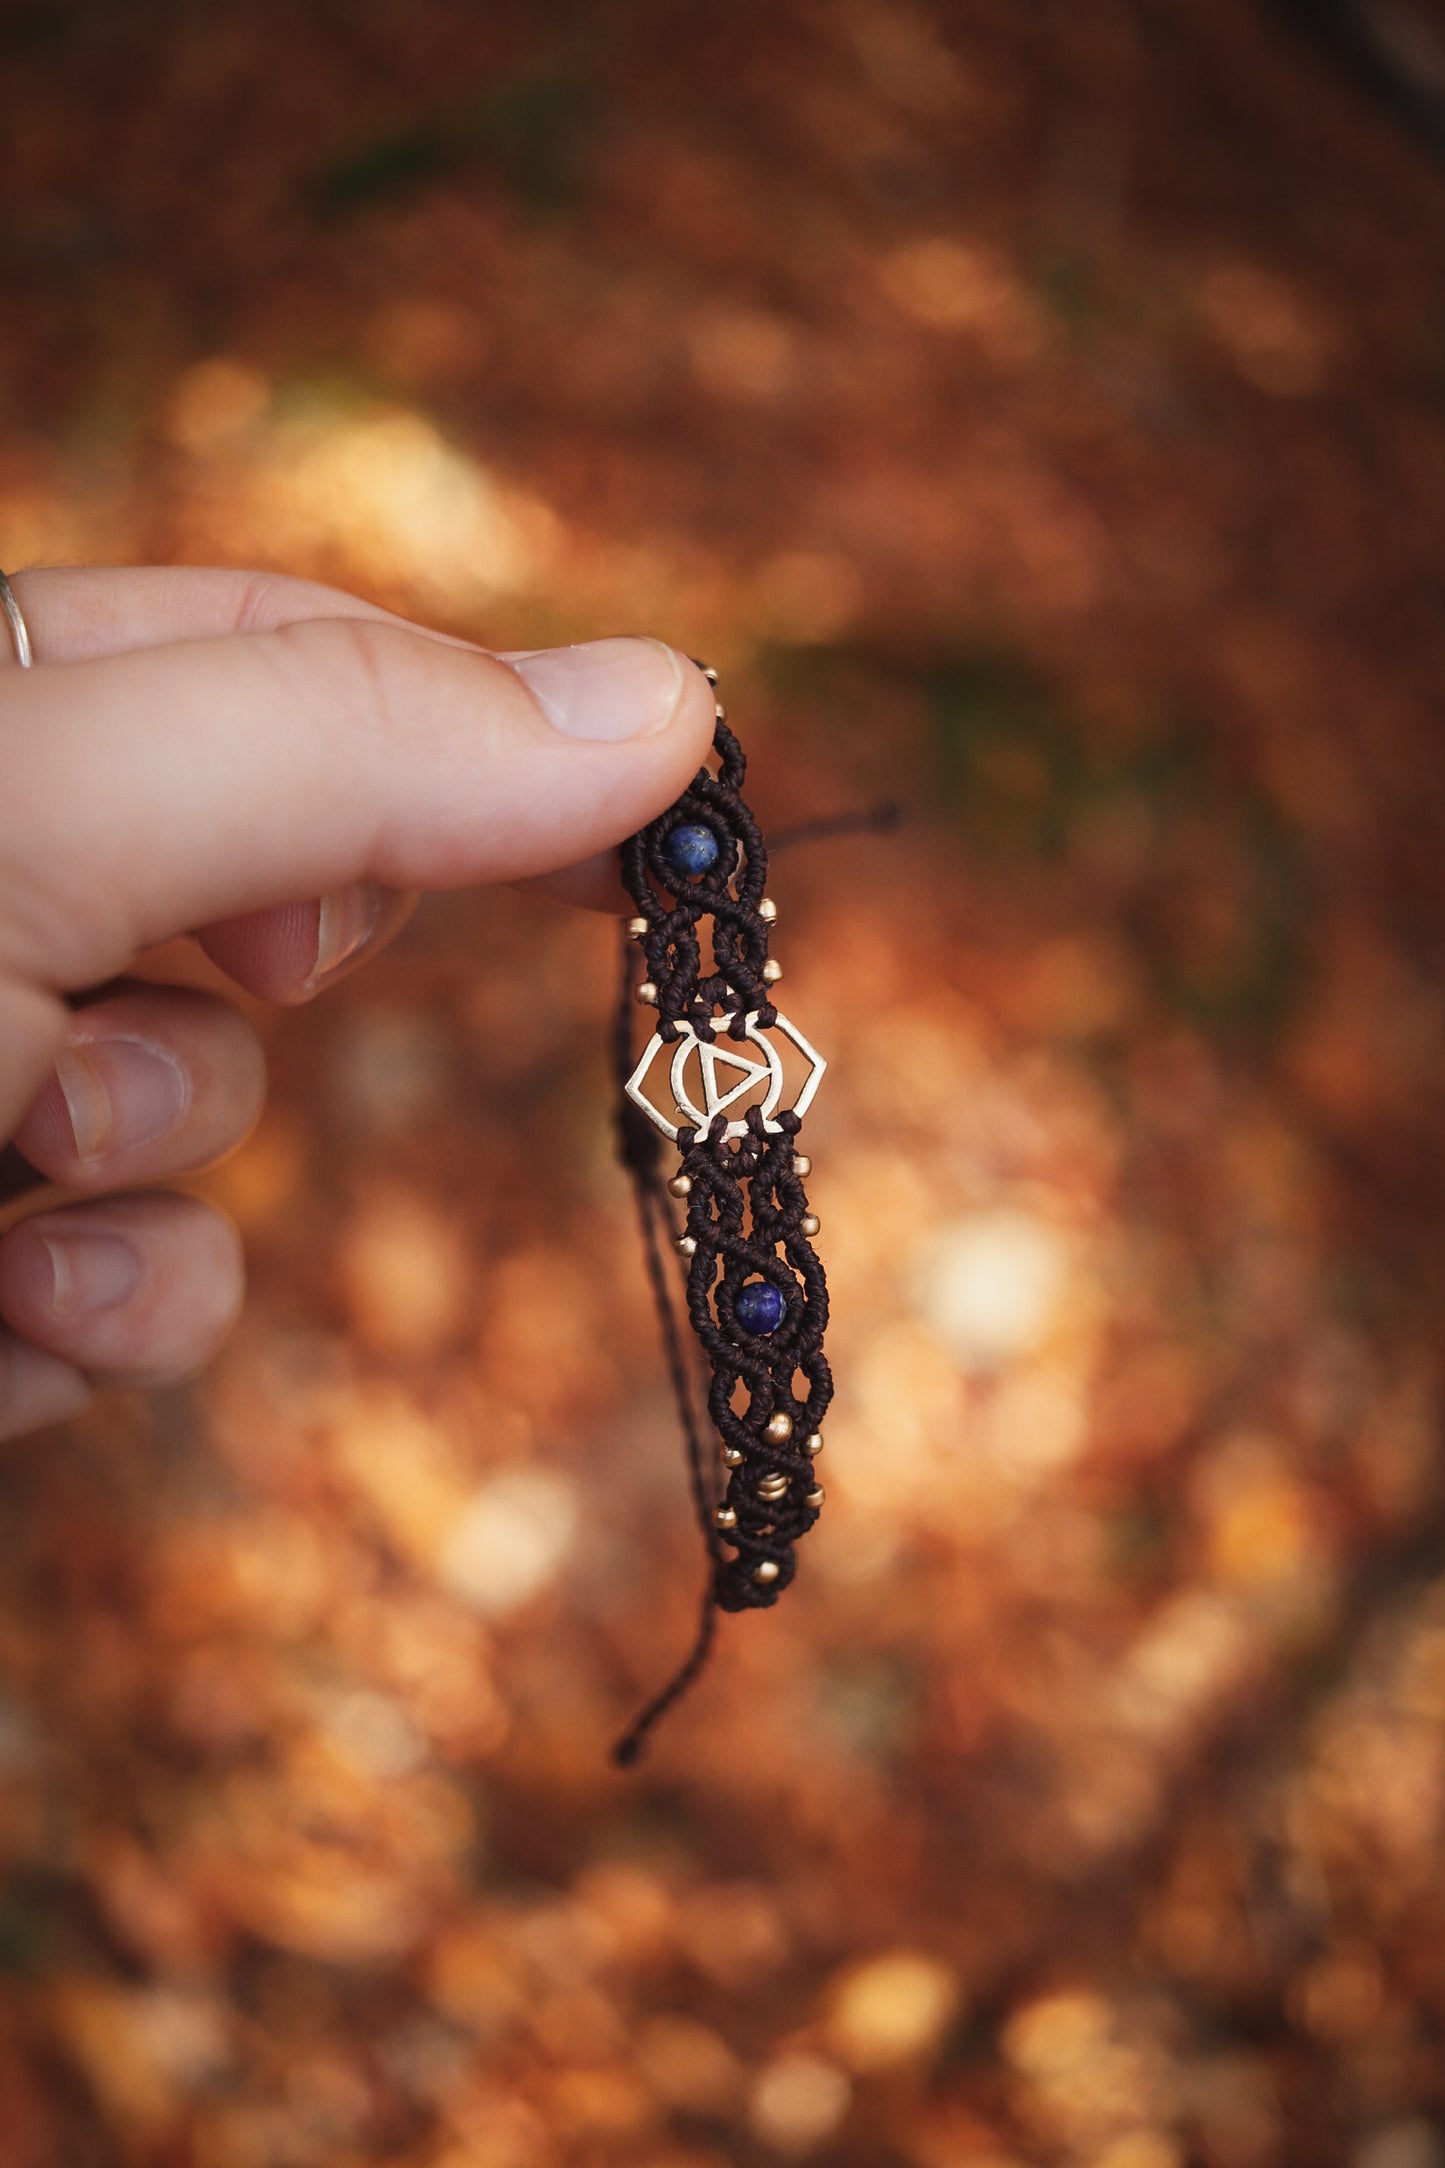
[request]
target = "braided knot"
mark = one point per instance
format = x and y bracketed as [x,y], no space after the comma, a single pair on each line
[746,1205]
[728,891]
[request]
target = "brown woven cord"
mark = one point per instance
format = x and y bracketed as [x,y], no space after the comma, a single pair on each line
[744,1209]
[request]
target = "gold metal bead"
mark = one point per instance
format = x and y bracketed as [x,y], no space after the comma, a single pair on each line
[813,1443]
[637,929]
[708,672]
[768,911]
[772,971]
[809,1224]
[725,1518]
[686,1245]
[732,1458]
[680,1185]
[802,1165]
[815,1497]
[646,994]
[766,1569]
[720,711]
[779,1428]
[772,1488]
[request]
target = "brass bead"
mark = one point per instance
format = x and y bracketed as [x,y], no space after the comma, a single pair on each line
[772,1488]
[802,1165]
[680,1185]
[646,994]
[766,1569]
[809,1224]
[708,672]
[778,1429]
[725,1518]
[772,971]
[637,929]
[813,1443]
[815,1497]
[686,1245]
[768,911]
[720,711]
[732,1458]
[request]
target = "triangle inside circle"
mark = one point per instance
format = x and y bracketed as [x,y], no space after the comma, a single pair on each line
[711,1056]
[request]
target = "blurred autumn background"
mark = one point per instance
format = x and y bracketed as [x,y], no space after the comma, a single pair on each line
[1038,414]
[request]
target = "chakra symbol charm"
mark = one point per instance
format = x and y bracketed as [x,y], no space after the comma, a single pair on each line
[726,1075]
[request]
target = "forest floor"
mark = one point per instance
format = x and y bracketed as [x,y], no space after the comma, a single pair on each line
[1039,417]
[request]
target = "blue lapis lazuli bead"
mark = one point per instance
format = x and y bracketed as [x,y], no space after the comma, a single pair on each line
[690,848]
[759,1306]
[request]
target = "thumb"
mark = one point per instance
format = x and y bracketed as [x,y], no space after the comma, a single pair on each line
[155,791]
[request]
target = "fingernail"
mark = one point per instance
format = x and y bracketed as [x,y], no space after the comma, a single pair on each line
[347,922]
[604,688]
[120,1093]
[90,1272]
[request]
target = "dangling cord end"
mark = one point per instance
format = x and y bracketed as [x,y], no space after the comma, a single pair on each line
[652,1210]
[628,1750]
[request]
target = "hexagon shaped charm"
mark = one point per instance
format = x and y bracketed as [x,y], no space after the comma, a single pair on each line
[725,1073]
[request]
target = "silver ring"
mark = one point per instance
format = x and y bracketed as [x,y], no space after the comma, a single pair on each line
[20,631]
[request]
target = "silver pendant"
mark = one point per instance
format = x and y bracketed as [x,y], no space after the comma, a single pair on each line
[725,1074]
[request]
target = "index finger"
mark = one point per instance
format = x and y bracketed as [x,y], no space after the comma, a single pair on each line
[164,788]
[79,613]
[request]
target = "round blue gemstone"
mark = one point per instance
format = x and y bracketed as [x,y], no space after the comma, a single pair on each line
[759,1306]
[690,848]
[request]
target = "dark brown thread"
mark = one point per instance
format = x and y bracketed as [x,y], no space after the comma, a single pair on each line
[746,1203]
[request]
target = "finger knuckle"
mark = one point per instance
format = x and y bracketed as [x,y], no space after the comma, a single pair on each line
[259,603]
[376,665]
[373,677]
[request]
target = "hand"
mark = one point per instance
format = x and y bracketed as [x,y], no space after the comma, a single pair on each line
[271,766]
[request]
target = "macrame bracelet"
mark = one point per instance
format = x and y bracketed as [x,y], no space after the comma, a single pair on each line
[756,1295]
